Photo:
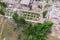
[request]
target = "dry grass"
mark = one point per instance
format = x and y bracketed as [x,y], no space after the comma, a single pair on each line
[49,37]
[8,31]
[11,34]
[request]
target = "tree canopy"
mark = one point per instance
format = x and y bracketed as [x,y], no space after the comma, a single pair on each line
[3,4]
[15,16]
[38,30]
[2,12]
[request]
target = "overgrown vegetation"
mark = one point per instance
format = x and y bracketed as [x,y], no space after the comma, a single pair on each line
[34,31]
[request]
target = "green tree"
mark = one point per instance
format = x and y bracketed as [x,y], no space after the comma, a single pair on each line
[46,6]
[2,7]
[15,16]
[3,4]
[38,31]
[47,1]
[2,12]
[21,19]
[30,6]
[19,36]
[44,13]
[48,23]
[40,6]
